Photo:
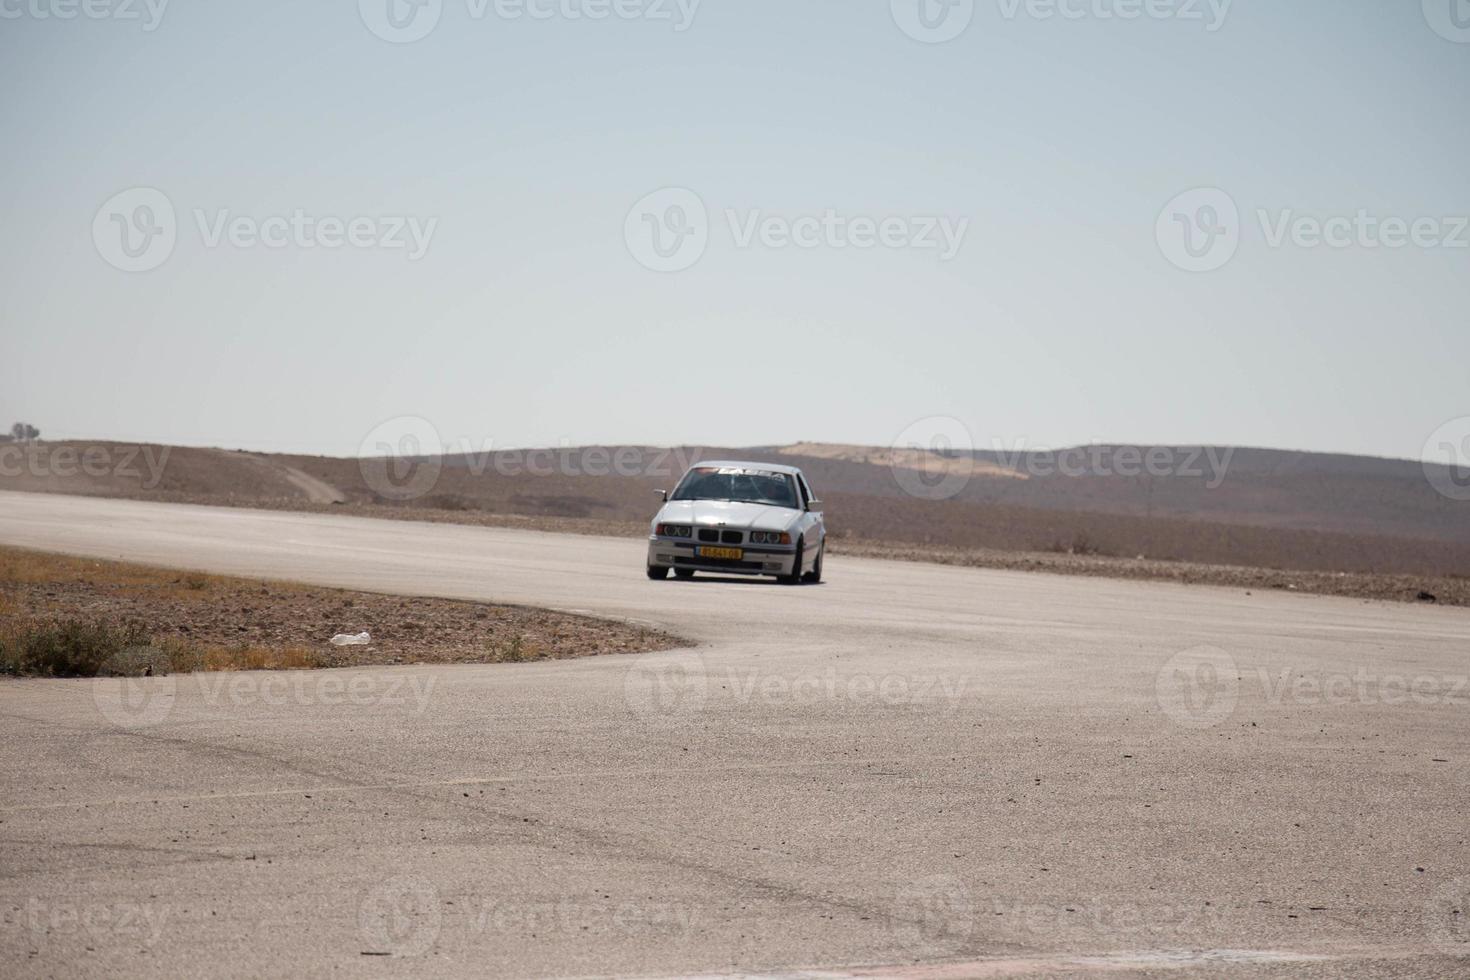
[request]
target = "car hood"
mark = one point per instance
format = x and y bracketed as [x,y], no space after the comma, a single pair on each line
[727,513]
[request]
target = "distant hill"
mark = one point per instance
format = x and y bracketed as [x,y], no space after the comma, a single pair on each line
[1262,487]
[1266,508]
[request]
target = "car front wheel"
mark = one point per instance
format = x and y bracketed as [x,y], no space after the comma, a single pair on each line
[657,572]
[814,576]
[795,577]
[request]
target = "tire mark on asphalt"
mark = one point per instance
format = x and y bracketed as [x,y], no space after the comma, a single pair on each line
[624,845]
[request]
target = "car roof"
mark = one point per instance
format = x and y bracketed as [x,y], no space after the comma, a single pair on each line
[744,465]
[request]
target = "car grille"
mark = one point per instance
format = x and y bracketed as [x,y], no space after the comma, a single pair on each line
[711,535]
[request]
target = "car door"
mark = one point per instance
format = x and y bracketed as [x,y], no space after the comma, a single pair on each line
[812,526]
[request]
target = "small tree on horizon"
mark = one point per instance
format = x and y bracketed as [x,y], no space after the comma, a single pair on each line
[24,432]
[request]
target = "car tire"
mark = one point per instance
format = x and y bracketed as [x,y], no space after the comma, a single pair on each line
[683,573]
[814,577]
[795,577]
[657,572]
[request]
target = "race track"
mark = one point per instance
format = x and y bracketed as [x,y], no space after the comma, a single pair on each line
[910,770]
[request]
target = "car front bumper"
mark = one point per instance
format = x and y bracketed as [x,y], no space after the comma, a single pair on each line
[755,560]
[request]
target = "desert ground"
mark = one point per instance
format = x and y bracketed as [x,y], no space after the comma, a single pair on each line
[911,770]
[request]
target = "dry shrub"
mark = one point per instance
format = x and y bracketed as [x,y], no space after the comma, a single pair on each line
[260,658]
[1080,544]
[195,582]
[69,648]
[513,651]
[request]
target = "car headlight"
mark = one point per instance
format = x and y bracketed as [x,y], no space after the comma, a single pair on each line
[769,537]
[675,531]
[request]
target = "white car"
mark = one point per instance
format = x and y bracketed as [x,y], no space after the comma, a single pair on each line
[740,518]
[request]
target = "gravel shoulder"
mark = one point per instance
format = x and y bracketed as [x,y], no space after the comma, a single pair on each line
[80,610]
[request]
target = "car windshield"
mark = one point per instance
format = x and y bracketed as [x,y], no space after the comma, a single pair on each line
[745,486]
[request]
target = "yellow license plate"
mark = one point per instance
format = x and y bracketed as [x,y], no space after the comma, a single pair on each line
[729,554]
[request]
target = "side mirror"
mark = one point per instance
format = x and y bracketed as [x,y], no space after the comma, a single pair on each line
[662,495]
[815,506]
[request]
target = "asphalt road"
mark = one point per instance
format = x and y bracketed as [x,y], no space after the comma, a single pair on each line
[912,770]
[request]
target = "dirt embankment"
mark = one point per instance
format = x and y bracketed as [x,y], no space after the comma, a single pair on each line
[75,616]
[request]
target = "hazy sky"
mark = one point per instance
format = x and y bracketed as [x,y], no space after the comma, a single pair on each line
[518,147]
